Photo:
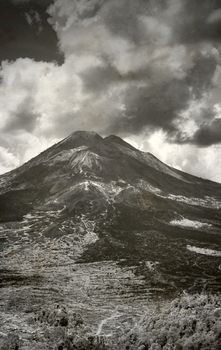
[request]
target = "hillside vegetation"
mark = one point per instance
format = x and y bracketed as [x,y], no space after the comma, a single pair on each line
[190,322]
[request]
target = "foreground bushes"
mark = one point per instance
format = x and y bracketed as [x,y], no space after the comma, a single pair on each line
[191,322]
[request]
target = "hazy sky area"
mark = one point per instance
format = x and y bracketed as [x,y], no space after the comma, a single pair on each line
[146,70]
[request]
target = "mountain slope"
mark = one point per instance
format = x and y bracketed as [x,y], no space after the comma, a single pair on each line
[97,224]
[85,156]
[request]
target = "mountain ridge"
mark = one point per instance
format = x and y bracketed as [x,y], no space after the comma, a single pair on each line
[83,136]
[86,156]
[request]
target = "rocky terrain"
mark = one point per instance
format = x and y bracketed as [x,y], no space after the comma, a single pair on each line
[98,228]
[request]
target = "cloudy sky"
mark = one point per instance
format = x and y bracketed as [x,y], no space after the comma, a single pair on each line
[146,70]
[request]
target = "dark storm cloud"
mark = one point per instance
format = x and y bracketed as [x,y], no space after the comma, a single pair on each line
[91,11]
[195,26]
[155,107]
[43,3]
[24,118]
[25,31]
[99,78]
[208,135]
[195,22]
[159,105]
[121,18]
[157,102]
[200,76]
[162,96]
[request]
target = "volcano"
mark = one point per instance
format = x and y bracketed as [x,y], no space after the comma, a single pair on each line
[96,224]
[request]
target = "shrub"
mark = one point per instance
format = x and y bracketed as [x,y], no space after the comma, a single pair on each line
[190,322]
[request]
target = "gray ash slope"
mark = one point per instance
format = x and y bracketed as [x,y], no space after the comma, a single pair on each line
[92,199]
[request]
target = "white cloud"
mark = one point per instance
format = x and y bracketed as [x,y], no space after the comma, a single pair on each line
[8,160]
[41,102]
